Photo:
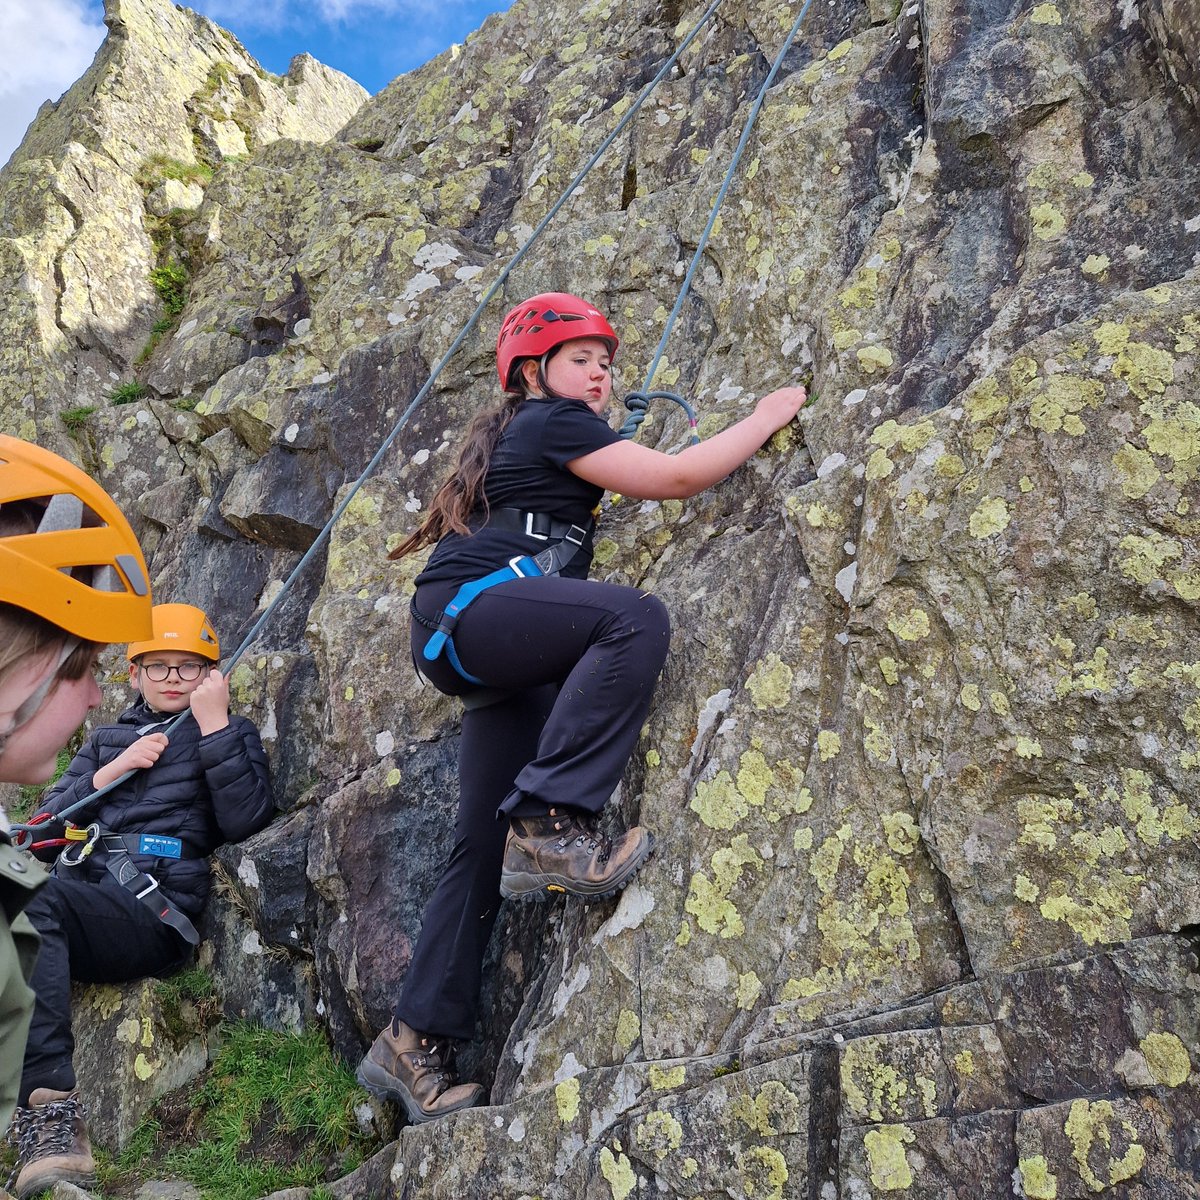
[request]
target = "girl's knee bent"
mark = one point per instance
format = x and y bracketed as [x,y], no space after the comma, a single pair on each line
[652,626]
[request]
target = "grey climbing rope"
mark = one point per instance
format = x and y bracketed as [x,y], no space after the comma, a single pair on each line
[638,402]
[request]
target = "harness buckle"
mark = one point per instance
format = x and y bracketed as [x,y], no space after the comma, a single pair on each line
[85,842]
[575,535]
[531,532]
[514,564]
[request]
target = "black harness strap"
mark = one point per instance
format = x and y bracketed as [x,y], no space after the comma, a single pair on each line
[145,887]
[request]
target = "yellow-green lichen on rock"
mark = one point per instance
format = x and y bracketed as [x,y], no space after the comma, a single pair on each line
[1037,1180]
[1167,1058]
[1105,1146]
[889,1165]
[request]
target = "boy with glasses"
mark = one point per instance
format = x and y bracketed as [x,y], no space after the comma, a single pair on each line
[120,904]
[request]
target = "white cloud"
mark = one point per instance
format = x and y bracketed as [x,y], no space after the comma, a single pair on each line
[47,46]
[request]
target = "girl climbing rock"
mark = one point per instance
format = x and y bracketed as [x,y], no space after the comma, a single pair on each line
[556,672]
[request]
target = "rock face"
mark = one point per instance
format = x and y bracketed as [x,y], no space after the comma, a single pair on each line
[925,756]
[95,194]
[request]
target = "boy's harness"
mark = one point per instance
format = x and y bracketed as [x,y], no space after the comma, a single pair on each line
[567,537]
[117,849]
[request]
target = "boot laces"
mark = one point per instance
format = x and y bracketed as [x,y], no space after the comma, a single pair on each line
[439,1058]
[43,1130]
[588,831]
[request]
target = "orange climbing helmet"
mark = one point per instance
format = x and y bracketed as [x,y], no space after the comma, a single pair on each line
[180,627]
[542,322]
[80,567]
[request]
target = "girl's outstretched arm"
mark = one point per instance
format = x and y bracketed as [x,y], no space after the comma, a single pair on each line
[645,474]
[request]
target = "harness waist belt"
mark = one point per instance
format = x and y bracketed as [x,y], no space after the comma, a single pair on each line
[542,526]
[160,845]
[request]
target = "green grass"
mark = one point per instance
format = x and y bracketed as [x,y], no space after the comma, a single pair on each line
[170,282]
[193,984]
[188,1004]
[76,418]
[127,393]
[161,326]
[275,1111]
[159,167]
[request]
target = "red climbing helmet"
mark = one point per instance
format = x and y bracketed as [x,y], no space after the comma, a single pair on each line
[543,322]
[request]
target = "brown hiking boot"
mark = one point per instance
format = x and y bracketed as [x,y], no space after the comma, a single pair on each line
[417,1070]
[565,852]
[52,1143]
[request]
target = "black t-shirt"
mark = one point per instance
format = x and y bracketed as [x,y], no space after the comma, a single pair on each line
[527,472]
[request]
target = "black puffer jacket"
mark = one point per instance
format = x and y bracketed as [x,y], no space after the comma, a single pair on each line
[203,790]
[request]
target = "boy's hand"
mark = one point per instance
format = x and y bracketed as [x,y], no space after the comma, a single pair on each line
[210,703]
[142,754]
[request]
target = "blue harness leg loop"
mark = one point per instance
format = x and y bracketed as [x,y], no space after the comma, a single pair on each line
[521,567]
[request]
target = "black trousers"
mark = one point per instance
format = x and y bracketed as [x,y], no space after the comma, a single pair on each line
[93,932]
[581,660]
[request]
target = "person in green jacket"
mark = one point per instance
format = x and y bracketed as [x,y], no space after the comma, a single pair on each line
[72,579]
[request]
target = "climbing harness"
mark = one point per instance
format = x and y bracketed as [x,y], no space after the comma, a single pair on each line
[638,402]
[23,833]
[80,842]
[568,540]
[117,848]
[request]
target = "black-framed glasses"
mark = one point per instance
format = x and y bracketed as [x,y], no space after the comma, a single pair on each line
[160,672]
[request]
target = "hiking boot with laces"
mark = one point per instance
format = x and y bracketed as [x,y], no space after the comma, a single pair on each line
[417,1069]
[564,852]
[52,1143]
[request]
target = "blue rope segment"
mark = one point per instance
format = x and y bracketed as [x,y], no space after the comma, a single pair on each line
[638,404]
[747,129]
[23,833]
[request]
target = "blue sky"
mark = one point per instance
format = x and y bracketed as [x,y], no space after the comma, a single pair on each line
[48,44]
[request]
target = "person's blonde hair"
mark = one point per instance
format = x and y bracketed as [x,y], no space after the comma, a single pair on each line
[24,635]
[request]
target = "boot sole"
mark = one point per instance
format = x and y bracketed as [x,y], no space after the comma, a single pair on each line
[540,886]
[383,1086]
[80,1180]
